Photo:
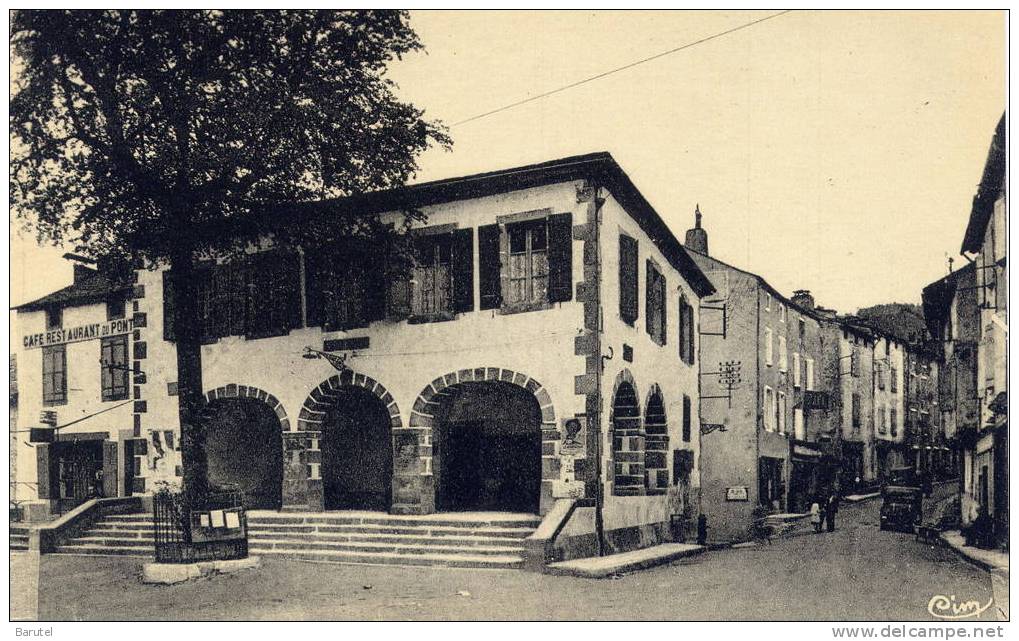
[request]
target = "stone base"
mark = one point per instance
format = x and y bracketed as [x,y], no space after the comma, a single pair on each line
[170,573]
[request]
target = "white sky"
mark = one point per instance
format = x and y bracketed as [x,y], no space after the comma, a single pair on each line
[832,151]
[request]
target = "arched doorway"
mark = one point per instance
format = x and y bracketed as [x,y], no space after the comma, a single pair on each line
[627,439]
[244,447]
[357,452]
[487,448]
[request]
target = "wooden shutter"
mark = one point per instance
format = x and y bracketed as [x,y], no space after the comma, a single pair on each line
[169,305]
[489,267]
[628,279]
[462,267]
[560,257]
[686,419]
[649,295]
[663,326]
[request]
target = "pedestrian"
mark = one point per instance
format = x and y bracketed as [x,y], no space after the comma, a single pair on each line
[815,516]
[831,509]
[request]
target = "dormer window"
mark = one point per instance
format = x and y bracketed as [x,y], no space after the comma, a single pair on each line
[54,317]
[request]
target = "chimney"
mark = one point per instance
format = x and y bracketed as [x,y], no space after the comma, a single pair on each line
[803,298]
[82,271]
[697,238]
[824,312]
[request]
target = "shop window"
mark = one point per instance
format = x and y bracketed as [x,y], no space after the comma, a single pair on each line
[655,314]
[54,375]
[628,293]
[114,368]
[686,331]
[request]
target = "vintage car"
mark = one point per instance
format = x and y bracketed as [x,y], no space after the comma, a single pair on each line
[901,508]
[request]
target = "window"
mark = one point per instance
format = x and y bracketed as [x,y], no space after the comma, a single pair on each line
[796,369]
[655,302]
[810,374]
[781,312]
[854,362]
[686,419]
[880,374]
[432,276]
[856,409]
[628,279]
[686,331]
[783,355]
[54,317]
[767,301]
[894,379]
[781,411]
[114,368]
[799,429]
[894,421]
[769,349]
[115,308]
[881,426]
[528,263]
[54,375]
[803,328]
[769,409]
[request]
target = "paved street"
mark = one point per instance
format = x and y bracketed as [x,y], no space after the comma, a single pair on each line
[855,573]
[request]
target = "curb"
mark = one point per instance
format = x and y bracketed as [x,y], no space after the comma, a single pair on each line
[633,566]
[972,560]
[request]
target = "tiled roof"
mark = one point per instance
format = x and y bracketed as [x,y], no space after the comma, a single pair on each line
[89,287]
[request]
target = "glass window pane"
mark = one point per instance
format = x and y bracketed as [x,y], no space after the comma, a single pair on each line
[517,239]
[539,238]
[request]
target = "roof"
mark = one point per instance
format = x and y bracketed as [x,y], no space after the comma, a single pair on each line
[937,297]
[89,287]
[991,184]
[600,167]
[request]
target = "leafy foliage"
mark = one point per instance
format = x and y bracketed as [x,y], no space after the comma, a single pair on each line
[898,319]
[139,132]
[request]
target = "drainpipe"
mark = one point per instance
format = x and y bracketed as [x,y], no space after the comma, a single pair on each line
[599,494]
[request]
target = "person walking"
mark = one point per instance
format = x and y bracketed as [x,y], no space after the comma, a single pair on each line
[815,516]
[831,509]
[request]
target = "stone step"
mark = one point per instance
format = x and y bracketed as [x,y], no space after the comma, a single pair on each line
[113,533]
[129,518]
[18,541]
[261,545]
[507,562]
[492,532]
[468,522]
[397,539]
[125,526]
[90,539]
[104,550]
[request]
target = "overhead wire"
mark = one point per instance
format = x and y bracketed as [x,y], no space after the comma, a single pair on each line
[603,74]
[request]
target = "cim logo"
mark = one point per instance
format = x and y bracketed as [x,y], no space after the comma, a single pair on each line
[946,607]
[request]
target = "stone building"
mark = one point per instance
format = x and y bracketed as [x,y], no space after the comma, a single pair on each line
[540,358]
[767,422]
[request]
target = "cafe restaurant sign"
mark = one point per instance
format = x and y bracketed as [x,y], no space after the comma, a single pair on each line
[79,333]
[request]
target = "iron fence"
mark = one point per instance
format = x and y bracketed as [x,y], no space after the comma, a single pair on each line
[217,531]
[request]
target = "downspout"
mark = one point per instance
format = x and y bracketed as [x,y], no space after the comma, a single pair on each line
[599,494]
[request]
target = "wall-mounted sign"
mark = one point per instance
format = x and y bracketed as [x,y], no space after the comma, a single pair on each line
[48,417]
[78,333]
[739,493]
[574,441]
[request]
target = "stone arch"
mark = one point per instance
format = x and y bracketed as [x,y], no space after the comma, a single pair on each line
[656,442]
[627,438]
[413,481]
[253,459]
[304,478]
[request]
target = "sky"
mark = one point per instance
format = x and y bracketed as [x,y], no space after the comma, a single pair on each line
[832,151]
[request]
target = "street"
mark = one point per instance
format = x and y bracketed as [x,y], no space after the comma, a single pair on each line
[856,573]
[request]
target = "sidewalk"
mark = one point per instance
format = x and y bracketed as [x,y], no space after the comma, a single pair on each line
[599,567]
[994,561]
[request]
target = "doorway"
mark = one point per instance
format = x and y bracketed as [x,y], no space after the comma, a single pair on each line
[357,453]
[244,446]
[488,448]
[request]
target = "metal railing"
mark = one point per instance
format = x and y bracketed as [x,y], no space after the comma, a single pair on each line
[216,532]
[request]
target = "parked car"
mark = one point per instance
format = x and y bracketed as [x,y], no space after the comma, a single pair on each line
[902,500]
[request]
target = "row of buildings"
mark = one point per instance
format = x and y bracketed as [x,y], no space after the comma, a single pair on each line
[967,313]
[554,344]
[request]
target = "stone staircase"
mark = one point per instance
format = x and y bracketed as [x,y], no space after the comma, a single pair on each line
[474,540]
[18,537]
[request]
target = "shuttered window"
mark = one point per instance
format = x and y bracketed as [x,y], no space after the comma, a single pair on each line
[769,348]
[54,375]
[686,331]
[895,421]
[810,374]
[687,419]
[796,369]
[799,429]
[528,263]
[346,285]
[443,274]
[783,355]
[769,409]
[536,266]
[893,379]
[114,368]
[560,257]
[628,279]
[655,302]
[856,409]
[780,411]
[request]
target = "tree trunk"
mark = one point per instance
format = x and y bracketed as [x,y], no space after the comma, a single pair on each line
[190,393]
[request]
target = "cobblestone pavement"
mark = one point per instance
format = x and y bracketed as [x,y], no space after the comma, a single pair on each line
[856,573]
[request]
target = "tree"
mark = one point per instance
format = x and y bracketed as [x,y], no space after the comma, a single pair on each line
[158,137]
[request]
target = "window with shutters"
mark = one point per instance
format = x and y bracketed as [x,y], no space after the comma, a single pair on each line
[796,369]
[881,426]
[345,284]
[781,313]
[799,428]
[687,419]
[114,370]
[894,421]
[769,409]
[655,302]
[854,362]
[528,263]
[783,355]
[767,302]
[780,412]
[880,374]
[809,374]
[769,348]
[54,375]
[802,328]
[432,281]
[628,286]
[686,331]
[856,409]
[893,379]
